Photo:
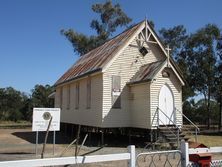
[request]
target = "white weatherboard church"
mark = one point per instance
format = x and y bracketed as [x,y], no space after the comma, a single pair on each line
[129,81]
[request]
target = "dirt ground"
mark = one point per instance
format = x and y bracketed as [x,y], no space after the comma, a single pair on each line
[17,144]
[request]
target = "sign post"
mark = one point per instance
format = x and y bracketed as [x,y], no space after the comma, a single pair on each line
[40,122]
[54,134]
[36,142]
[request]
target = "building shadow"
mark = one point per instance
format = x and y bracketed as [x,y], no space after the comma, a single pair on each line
[30,137]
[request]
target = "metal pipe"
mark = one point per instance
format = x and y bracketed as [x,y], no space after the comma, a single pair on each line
[196,128]
[36,143]
[167,117]
[188,119]
[196,135]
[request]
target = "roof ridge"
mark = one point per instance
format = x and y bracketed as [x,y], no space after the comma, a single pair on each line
[129,28]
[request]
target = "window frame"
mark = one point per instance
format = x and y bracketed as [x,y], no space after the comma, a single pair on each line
[88,93]
[61,97]
[68,97]
[77,96]
[116,92]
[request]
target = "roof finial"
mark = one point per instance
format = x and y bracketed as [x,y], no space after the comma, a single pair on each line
[168,55]
[146,33]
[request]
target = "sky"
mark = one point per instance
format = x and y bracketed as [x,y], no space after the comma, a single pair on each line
[33,51]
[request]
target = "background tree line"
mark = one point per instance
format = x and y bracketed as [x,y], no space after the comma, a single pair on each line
[198,54]
[16,105]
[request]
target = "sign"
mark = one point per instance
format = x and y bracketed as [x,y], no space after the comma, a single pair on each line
[41,117]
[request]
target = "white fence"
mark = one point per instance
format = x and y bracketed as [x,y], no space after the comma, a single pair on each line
[186,151]
[130,156]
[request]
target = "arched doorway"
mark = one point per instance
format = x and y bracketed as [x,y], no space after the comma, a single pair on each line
[166,105]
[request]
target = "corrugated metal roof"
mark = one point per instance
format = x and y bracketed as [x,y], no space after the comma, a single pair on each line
[147,72]
[97,58]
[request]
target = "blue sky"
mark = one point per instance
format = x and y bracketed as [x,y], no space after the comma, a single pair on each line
[32,50]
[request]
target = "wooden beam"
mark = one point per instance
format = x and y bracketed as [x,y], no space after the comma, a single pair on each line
[154,42]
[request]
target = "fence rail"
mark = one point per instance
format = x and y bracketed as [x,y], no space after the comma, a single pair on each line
[205,150]
[74,160]
[130,156]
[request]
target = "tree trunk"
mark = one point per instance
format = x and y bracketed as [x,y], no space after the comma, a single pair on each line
[220,110]
[208,109]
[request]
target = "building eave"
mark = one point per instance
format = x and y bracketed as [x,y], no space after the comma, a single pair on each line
[99,70]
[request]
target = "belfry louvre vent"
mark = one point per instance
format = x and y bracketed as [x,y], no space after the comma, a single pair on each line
[143,51]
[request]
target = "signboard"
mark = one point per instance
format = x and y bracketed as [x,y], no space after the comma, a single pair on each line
[41,117]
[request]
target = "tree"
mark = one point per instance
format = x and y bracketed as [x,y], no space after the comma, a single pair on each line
[218,94]
[111,17]
[176,37]
[16,105]
[40,96]
[26,110]
[11,102]
[201,60]
[218,84]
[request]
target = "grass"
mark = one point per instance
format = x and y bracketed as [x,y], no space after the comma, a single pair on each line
[210,140]
[18,124]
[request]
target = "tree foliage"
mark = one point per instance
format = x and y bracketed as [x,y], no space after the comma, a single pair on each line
[197,111]
[40,96]
[176,37]
[202,59]
[217,92]
[111,17]
[15,105]
[11,103]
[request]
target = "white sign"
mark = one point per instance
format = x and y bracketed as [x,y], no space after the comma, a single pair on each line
[41,118]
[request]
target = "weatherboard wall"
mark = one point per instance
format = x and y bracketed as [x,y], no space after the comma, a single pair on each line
[125,66]
[140,105]
[82,115]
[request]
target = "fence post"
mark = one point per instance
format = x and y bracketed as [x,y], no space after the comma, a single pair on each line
[184,147]
[132,161]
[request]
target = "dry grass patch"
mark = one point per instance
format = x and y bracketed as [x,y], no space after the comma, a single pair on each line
[212,140]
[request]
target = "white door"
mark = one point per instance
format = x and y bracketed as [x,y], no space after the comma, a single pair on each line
[166,105]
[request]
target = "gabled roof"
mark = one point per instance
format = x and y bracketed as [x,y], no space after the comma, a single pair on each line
[162,46]
[147,72]
[97,58]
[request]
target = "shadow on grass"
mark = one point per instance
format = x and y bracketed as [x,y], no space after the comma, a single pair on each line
[14,153]
[211,133]
[31,137]
[112,140]
[94,140]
